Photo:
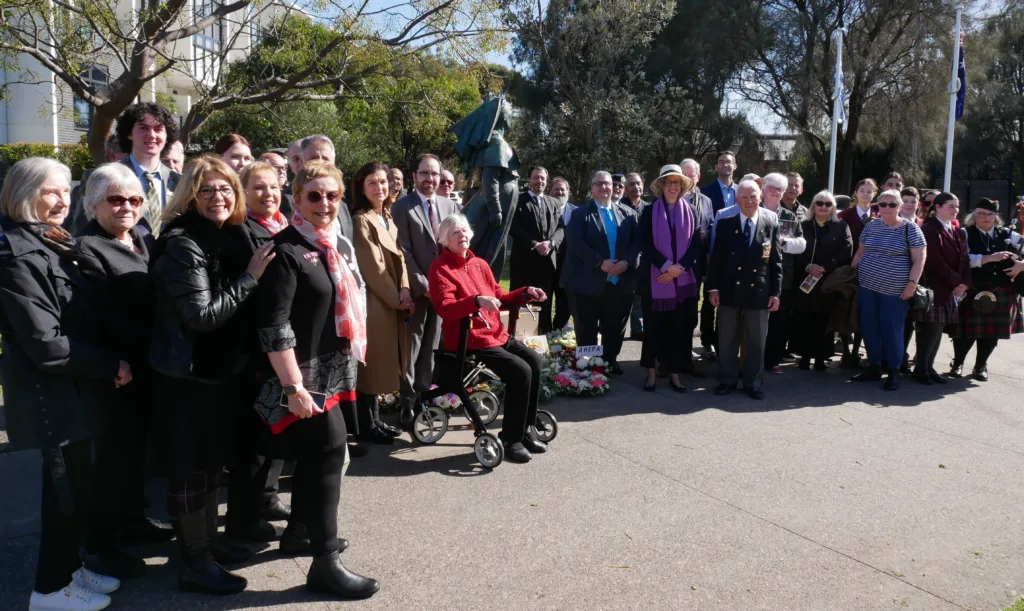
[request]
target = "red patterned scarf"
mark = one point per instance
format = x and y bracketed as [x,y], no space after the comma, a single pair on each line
[273,224]
[349,309]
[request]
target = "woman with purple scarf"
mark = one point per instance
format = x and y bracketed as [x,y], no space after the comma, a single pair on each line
[668,278]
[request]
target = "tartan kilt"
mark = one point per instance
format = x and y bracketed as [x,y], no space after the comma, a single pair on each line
[940,313]
[1006,319]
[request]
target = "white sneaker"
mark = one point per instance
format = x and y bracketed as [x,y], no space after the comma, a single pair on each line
[72,597]
[94,582]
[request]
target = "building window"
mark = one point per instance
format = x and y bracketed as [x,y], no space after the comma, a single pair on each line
[96,78]
[209,42]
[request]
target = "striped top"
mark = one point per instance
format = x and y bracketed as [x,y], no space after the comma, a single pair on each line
[885,266]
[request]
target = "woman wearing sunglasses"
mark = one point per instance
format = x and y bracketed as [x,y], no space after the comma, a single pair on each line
[889,262]
[204,270]
[115,258]
[829,247]
[311,323]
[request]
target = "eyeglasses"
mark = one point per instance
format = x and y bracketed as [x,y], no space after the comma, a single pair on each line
[603,183]
[823,204]
[226,191]
[445,181]
[889,205]
[118,201]
[316,196]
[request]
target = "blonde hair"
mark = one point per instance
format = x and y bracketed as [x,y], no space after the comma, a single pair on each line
[20,195]
[658,186]
[187,191]
[255,168]
[824,196]
[313,170]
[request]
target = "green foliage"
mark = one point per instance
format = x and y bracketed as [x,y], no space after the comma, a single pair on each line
[75,156]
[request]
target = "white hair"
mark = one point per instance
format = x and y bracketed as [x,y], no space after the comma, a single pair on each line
[690,162]
[748,183]
[311,140]
[102,179]
[450,224]
[776,180]
[750,176]
[826,196]
[20,194]
[600,173]
[893,193]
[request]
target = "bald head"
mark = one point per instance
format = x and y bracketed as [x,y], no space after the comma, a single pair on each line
[748,197]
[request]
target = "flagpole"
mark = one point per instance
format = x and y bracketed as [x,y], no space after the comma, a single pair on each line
[954,87]
[837,99]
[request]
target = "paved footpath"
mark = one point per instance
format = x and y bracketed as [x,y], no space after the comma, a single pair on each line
[825,496]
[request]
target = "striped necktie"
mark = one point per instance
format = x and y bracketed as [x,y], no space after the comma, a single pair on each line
[154,208]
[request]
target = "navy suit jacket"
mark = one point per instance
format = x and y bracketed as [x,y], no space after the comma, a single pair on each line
[746,276]
[714,193]
[587,248]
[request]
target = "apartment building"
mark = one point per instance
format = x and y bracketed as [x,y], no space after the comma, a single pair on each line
[41,108]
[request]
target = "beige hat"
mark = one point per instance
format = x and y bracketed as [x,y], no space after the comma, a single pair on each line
[668,171]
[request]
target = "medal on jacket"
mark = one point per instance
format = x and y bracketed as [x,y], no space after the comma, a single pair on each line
[312,257]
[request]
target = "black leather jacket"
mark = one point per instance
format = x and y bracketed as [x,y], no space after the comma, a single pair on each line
[200,285]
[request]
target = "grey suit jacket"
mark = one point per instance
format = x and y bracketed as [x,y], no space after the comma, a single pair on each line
[418,242]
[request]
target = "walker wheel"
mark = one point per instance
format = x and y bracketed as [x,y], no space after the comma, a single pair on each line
[487,405]
[546,427]
[430,424]
[489,451]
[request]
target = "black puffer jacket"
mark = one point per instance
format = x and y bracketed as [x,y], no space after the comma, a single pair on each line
[200,284]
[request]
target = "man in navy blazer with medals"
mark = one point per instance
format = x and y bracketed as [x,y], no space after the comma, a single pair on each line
[600,268]
[744,283]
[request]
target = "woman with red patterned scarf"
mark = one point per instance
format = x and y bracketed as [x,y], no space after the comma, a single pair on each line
[262,201]
[311,322]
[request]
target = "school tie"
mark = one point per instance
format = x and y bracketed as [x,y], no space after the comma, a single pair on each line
[154,209]
[748,231]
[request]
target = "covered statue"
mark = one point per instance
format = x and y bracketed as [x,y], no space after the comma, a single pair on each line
[481,144]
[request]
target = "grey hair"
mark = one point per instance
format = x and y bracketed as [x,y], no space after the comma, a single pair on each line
[20,194]
[450,224]
[637,174]
[970,221]
[102,178]
[776,180]
[893,193]
[825,195]
[748,183]
[600,173]
[311,140]
[690,162]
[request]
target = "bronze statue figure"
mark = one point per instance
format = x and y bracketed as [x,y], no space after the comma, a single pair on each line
[481,144]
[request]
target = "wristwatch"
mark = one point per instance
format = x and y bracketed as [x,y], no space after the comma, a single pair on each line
[290,389]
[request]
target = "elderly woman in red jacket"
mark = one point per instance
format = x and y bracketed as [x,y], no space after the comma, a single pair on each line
[461,285]
[947,272]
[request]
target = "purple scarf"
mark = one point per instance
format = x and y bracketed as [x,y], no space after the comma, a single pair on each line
[664,297]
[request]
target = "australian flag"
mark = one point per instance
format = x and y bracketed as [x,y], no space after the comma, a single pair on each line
[961,74]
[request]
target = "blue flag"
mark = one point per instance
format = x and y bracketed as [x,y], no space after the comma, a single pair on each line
[961,74]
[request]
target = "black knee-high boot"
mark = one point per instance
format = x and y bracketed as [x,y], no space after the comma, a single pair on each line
[199,571]
[223,550]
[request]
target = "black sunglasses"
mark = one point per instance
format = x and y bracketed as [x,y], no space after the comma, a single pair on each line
[316,196]
[888,205]
[823,204]
[447,182]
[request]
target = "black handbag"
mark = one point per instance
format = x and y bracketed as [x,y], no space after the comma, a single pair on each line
[924,297]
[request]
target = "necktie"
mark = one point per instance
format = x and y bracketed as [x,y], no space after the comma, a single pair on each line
[748,231]
[154,209]
[432,213]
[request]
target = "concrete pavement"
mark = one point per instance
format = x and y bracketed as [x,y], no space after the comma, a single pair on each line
[826,495]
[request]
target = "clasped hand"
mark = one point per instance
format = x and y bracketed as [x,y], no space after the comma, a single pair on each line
[614,268]
[302,405]
[671,274]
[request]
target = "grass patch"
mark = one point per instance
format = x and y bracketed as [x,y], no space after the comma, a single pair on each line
[1017,606]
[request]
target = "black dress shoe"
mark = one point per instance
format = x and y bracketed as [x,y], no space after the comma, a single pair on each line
[376,435]
[805,364]
[257,532]
[956,370]
[226,552]
[517,452]
[873,373]
[357,451]
[144,531]
[710,354]
[650,387]
[115,563]
[905,369]
[406,418]
[892,382]
[851,362]
[923,378]
[276,512]
[981,375]
[615,369]
[754,393]
[534,446]
[723,389]
[327,574]
[387,428]
[295,541]
[938,379]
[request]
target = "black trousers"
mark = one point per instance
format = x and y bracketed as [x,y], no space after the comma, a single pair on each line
[367,412]
[61,534]
[778,331]
[607,314]
[563,310]
[253,478]
[929,337]
[669,336]
[316,494]
[708,333]
[815,343]
[962,345]
[519,368]
[908,332]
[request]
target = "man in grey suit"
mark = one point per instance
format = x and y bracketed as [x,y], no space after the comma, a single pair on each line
[321,148]
[600,268]
[744,283]
[417,216]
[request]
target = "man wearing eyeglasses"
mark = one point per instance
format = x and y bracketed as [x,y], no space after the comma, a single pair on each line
[280,164]
[418,216]
[536,236]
